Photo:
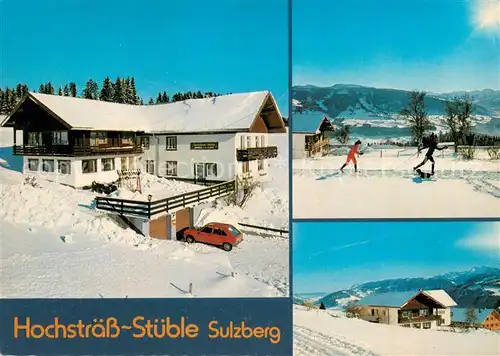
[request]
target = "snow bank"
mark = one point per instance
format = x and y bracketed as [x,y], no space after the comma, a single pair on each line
[386,187]
[319,333]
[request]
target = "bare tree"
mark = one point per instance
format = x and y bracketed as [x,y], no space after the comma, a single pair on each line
[471,316]
[459,112]
[343,134]
[416,115]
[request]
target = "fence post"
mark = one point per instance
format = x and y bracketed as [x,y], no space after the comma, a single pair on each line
[190,288]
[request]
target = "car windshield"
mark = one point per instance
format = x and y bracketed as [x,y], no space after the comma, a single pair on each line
[234,231]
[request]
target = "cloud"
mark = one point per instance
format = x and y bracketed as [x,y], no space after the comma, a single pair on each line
[485,240]
[341,247]
[486,15]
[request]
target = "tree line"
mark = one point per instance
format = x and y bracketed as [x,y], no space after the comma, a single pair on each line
[121,90]
[459,112]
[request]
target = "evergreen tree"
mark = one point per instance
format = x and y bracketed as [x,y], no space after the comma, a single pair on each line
[59,92]
[133,90]
[24,90]
[151,101]
[2,98]
[118,94]
[165,99]
[72,89]
[141,102]
[107,93]
[19,92]
[199,95]
[159,99]
[42,89]
[322,306]
[91,90]
[66,90]
[127,95]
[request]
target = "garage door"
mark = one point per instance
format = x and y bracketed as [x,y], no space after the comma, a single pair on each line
[158,228]
[183,219]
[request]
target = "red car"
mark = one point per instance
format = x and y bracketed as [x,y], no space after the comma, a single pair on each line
[219,234]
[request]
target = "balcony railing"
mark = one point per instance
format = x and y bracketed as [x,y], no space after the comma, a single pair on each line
[418,319]
[66,150]
[255,153]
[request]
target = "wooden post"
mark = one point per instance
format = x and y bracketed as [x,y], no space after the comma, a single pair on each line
[190,288]
[232,274]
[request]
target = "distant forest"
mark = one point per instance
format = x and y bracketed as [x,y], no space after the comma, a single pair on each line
[122,90]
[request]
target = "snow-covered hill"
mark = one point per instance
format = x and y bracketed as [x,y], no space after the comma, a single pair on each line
[375,112]
[317,332]
[479,287]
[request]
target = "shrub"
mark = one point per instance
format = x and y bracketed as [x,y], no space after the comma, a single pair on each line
[494,152]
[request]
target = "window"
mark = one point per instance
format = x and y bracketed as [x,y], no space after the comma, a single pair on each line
[427,325]
[249,142]
[127,138]
[48,165]
[263,141]
[60,138]
[93,138]
[124,163]
[107,164]
[242,142]
[89,166]
[246,167]
[102,138]
[171,168]
[234,231]
[260,164]
[34,138]
[373,312]
[171,143]
[257,141]
[207,230]
[64,166]
[211,169]
[423,312]
[150,167]
[145,142]
[220,232]
[33,164]
[406,314]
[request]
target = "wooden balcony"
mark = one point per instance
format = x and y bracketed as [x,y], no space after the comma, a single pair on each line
[418,319]
[76,151]
[256,153]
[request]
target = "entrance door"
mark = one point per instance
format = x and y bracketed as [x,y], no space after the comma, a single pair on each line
[199,171]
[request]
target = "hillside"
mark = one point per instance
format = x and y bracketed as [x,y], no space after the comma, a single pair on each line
[479,287]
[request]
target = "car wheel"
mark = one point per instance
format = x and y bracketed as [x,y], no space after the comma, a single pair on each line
[227,247]
[190,239]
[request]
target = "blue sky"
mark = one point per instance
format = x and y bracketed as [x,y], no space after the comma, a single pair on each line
[438,46]
[221,46]
[335,255]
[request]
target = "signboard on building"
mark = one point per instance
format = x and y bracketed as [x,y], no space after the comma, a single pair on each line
[204,145]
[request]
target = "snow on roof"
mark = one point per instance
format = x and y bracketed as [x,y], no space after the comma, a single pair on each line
[441,297]
[2,119]
[307,122]
[391,299]
[398,299]
[233,112]
[460,314]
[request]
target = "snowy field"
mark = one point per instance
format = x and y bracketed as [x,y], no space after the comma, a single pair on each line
[55,245]
[386,187]
[318,333]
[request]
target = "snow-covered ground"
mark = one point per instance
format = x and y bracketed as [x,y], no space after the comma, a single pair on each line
[316,332]
[386,187]
[55,245]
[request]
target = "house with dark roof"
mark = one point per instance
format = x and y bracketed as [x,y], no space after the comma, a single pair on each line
[422,309]
[484,318]
[77,141]
[311,133]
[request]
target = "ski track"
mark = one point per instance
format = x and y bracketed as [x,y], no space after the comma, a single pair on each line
[309,342]
[477,179]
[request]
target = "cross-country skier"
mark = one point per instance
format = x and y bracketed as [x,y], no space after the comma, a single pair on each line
[351,156]
[432,146]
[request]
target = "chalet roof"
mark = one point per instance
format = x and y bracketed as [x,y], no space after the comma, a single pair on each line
[398,299]
[235,112]
[307,121]
[392,299]
[460,314]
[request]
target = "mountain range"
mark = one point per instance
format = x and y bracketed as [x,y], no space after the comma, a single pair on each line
[369,107]
[478,287]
